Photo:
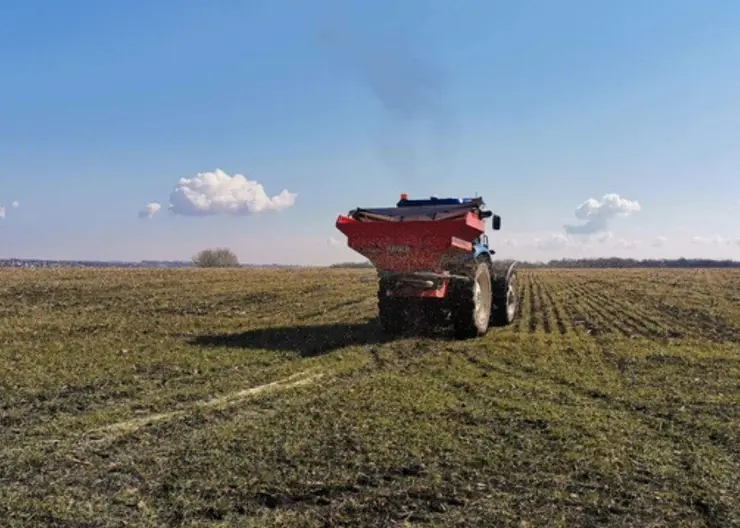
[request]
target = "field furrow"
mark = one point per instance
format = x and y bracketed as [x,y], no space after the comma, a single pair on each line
[683,319]
[557,310]
[525,306]
[534,315]
[597,318]
[558,290]
[543,307]
[639,322]
[272,397]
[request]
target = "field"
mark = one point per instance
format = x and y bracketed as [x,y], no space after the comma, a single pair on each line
[269,398]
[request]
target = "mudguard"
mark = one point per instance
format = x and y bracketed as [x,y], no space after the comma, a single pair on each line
[481,250]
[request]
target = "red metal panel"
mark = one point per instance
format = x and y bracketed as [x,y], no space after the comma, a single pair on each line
[412,245]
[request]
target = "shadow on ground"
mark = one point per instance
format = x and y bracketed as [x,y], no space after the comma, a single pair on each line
[309,340]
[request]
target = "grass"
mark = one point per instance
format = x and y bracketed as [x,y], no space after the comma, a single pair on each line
[614,400]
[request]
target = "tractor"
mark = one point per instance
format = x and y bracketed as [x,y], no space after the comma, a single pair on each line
[434,265]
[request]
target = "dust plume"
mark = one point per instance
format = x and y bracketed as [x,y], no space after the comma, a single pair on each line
[411,91]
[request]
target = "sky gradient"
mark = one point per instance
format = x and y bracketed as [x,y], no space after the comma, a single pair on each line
[592,128]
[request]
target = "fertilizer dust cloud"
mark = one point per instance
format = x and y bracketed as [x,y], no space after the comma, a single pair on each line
[409,89]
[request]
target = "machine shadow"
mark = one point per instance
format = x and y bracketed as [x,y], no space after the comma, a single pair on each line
[307,341]
[310,340]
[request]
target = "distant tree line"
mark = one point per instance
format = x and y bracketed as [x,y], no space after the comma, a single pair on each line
[615,262]
[365,264]
[607,262]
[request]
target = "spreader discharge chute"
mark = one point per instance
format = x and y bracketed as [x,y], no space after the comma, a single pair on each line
[433,260]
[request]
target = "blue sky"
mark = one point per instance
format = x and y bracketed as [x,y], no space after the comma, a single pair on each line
[538,106]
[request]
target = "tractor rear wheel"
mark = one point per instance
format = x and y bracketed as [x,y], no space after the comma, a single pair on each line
[391,313]
[471,304]
[505,301]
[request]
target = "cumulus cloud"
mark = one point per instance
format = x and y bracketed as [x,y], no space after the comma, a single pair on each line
[150,210]
[15,204]
[2,213]
[212,193]
[597,214]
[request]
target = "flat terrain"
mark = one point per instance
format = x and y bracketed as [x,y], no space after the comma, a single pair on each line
[269,398]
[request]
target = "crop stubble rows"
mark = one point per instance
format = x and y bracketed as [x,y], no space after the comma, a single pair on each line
[612,400]
[630,305]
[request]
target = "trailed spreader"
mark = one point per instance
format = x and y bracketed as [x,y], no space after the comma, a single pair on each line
[434,264]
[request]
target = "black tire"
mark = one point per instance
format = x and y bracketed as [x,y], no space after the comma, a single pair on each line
[391,314]
[471,304]
[505,300]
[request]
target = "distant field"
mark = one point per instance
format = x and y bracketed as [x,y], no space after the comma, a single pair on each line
[146,398]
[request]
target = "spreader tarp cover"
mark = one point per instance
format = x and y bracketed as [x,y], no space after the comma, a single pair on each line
[414,213]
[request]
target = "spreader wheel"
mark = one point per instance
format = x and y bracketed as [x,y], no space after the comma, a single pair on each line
[505,300]
[471,304]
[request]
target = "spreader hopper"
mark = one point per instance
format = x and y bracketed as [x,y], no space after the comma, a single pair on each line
[433,253]
[402,244]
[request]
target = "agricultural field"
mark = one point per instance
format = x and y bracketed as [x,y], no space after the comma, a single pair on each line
[270,398]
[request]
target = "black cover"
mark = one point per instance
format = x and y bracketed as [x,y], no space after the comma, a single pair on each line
[434,212]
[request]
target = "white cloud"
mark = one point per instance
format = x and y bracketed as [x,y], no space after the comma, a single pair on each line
[659,241]
[15,204]
[717,240]
[597,214]
[626,244]
[553,242]
[212,193]
[150,210]
[601,237]
[2,213]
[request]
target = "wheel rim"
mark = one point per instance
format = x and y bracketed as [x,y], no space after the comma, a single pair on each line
[510,302]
